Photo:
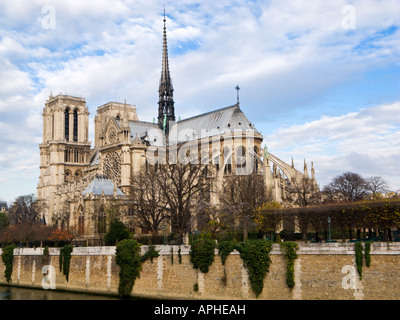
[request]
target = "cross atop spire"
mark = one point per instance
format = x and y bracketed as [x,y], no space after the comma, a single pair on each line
[165,91]
[237,93]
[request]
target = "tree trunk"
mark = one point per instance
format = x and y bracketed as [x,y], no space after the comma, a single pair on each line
[245,231]
[304,236]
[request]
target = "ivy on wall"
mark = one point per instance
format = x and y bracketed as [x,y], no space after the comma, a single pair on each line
[65,260]
[367,253]
[359,257]
[128,259]
[179,255]
[225,248]
[255,255]
[290,250]
[151,253]
[8,257]
[202,253]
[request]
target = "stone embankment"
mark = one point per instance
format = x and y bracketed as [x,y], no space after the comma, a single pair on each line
[322,271]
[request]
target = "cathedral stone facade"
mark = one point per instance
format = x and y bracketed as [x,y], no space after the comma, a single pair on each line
[79,183]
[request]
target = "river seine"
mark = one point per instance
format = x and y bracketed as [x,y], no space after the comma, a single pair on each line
[14,293]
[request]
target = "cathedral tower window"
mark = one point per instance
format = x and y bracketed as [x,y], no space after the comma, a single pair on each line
[52,127]
[66,124]
[75,125]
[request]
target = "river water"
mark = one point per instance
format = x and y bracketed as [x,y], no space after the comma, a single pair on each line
[16,293]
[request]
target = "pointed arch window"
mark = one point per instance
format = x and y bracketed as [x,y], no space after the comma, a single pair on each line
[75,125]
[101,221]
[66,124]
[227,161]
[240,157]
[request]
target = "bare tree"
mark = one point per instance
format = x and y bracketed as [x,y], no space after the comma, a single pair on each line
[304,192]
[377,185]
[3,221]
[181,185]
[241,196]
[211,218]
[147,201]
[26,224]
[347,187]
[26,209]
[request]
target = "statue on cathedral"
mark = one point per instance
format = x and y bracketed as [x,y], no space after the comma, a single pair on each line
[265,152]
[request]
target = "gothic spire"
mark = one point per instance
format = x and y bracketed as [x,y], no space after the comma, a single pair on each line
[166,108]
[305,169]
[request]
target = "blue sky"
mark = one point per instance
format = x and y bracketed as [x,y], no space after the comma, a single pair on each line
[319,81]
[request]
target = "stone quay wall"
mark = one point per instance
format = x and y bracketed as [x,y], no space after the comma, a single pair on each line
[322,271]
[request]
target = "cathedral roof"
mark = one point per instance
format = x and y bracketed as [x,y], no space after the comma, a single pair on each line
[220,121]
[140,128]
[95,160]
[213,123]
[100,185]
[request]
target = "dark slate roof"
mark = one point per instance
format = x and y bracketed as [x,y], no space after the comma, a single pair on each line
[141,129]
[101,184]
[3,204]
[95,159]
[217,122]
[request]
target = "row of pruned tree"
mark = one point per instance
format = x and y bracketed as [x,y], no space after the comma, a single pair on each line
[359,220]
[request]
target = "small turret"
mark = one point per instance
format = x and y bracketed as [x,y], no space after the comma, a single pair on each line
[312,171]
[305,169]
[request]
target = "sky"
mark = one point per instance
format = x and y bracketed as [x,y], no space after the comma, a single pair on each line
[319,79]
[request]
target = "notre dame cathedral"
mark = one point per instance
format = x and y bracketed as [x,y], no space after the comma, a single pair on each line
[78,181]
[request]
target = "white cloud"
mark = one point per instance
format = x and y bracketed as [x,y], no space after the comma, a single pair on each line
[367,142]
[285,55]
